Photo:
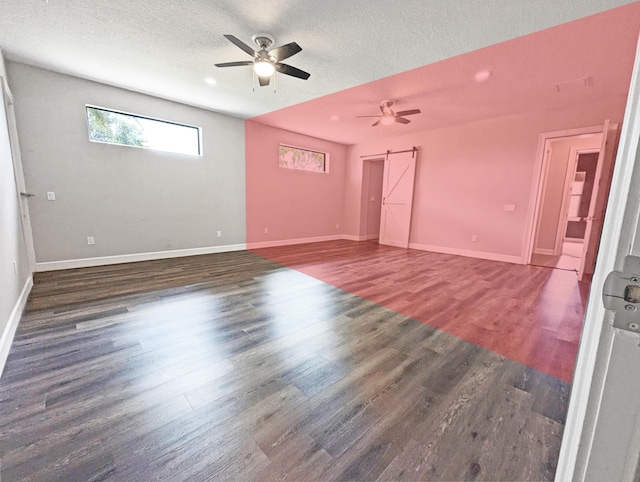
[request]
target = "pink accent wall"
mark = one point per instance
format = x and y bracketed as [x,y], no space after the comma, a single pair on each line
[292,204]
[466,174]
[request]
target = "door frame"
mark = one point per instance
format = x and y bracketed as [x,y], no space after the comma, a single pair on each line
[592,364]
[538,184]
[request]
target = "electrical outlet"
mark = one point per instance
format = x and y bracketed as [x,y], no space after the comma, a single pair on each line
[337,226]
[51,196]
[474,238]
[266,230]
[90,240]
[510,208]
[219,234]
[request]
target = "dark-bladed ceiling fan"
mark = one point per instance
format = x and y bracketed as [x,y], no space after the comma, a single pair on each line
[389,117]
[266,62]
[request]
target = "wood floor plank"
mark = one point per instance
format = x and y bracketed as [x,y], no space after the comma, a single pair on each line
[235,367]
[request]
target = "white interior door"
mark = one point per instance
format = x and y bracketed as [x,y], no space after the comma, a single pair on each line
[599,197]
[23,196]
[397,198]
[601,439]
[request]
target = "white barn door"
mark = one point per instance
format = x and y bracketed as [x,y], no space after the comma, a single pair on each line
[397,198]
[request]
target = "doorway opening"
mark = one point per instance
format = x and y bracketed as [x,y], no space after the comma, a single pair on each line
[573,186]
[372,175]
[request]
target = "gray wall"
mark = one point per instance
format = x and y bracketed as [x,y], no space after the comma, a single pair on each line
[130,200]
[12,246]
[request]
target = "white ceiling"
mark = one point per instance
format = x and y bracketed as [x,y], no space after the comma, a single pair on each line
[168,48]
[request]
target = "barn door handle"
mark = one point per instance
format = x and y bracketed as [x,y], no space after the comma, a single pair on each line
[27,194]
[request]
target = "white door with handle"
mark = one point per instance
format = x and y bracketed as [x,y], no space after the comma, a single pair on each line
[23,195]
[597,203]
[601,439]
[397,198]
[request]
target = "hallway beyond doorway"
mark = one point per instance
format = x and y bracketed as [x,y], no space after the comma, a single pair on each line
[569,259]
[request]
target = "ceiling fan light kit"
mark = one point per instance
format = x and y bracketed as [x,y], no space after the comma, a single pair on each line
[267,62]
[264,68]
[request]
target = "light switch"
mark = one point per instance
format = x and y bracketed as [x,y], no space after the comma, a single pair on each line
[51,196]
[509,208]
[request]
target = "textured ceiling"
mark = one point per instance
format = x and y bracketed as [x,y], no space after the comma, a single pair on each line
[168,48]
[586,61]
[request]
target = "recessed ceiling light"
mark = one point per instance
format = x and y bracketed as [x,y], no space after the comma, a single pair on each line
[482,76]
[334,118]
[210,81]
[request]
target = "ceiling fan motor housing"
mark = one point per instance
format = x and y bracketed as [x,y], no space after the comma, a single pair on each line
[263,40]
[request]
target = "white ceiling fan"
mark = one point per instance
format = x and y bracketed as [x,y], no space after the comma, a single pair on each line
[389,117]
[266,62]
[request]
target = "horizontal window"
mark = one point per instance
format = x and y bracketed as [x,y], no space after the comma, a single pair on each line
[113,127]
[304,159]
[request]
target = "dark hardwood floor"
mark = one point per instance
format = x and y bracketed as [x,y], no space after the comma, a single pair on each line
[530,314]
[234,367]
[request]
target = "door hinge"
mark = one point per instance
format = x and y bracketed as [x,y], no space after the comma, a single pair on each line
[621,294]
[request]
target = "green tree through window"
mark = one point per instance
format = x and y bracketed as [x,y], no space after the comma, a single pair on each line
[105,126]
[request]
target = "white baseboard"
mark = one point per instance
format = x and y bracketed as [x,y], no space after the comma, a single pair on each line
[546,252]
[288,242]
[14,318]
[468,253]
[353,237]
[364,237]
[131,258]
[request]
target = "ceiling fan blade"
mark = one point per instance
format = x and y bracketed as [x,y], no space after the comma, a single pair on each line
[408,112]
[240,44]
[294,72]
[402,120]
[235,64]
[264,81]
[375,123]
[285,51]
